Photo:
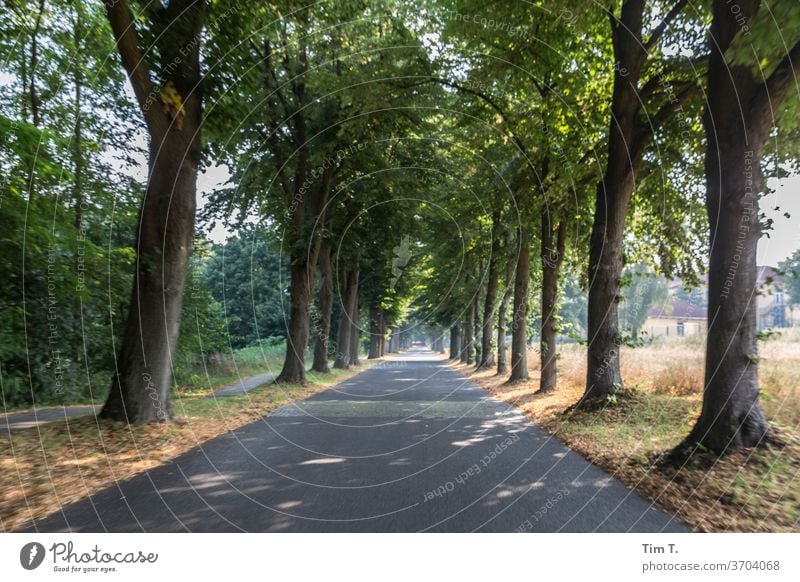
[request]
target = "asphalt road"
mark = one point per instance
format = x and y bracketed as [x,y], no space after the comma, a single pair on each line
[408,445]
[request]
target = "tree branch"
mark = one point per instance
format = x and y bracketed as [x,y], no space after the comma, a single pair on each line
[776,88]
[646,128]
[659,30]
[127,40]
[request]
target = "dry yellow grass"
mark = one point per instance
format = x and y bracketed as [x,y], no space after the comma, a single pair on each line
[45,468]
[752,490]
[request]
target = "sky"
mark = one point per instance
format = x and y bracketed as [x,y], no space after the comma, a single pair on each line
[785,236]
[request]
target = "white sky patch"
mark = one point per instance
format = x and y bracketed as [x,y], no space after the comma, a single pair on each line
[784,239]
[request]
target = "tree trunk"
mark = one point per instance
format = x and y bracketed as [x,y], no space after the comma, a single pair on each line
[487,335]
[519,319]
[342,360]
[502,367]
[322,319]
[140,390]
[551,267]
[469,329]
[294,366]
[737,121]
[375,337]
[33,93]
[611,206]
[476,327]
[77,130]
[355,330]
[455,342]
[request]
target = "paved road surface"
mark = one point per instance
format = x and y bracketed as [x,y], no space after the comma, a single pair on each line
[407,445]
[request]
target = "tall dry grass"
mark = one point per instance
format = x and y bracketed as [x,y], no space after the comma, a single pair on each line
[677,366]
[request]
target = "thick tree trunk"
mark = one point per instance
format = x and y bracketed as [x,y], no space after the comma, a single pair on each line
[382,347]
[469,330]
[502,323]
[140,390]
[487,331]
[78,161]
[375,337]
[294,367]
[343,342]
[322,319]
[737,122]
[519,318]
[34,95]
[476,328]
[455,342]
[611,206]
[355,330]
[552,258]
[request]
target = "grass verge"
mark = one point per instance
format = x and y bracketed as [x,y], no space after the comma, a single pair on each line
[748,491]
[47,467]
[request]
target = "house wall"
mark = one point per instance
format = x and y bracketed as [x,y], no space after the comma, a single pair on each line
[669,327]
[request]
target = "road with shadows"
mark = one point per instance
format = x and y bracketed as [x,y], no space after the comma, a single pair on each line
[408,445]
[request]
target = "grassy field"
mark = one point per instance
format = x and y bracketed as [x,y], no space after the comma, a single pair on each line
[44,468]
[752,490]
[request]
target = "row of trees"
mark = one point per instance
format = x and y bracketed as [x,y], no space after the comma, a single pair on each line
[665,112]
[431,161]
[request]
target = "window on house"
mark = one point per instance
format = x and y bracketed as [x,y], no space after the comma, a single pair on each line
[680,328]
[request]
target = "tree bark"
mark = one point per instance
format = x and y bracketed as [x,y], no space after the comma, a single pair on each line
[502,323]
[487,331]
[343,344]
[519,318]
[33,93]
[611,205]
[140,390]
[77,130]
[469,330]
[294,367]
[305,245]
[455,342]
[552,258]
[322,319]
[737,121]
[476,327]
[355,330]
